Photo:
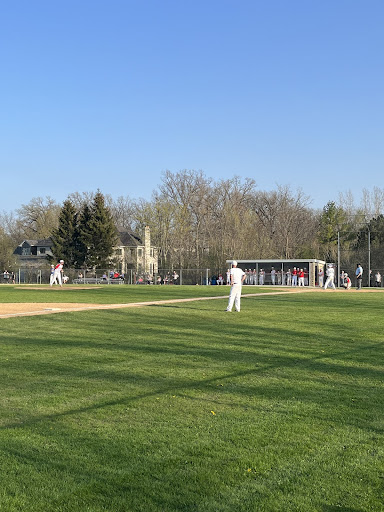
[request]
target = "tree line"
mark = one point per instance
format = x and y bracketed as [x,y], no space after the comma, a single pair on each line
[198,222]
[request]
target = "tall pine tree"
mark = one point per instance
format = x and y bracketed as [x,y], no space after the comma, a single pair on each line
[103,233]
[63,240]
[83,237]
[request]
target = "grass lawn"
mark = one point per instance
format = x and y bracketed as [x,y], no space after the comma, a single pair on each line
[115,294]
[183,407]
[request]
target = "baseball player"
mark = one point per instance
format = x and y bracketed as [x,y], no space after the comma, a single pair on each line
[347,282]
[56,277]
[294,276]
[237,279]
[321,276]
[330,278]
[51,275]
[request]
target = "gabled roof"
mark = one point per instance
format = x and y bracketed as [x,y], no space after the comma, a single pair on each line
[45,242]
[129,239]
[30,243]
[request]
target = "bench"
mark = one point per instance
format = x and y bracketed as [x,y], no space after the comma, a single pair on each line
[97,280]
[88,280]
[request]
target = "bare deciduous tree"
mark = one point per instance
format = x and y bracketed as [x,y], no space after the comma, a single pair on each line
[38,218]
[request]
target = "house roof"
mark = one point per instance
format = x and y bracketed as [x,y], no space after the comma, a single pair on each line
[45,242]
[129,239]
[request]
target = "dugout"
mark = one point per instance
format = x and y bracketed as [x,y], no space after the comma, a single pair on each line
[256,268]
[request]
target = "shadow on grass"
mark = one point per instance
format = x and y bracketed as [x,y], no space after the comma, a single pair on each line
[175,348]
[339,508]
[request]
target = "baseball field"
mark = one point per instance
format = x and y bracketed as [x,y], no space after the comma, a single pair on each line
[143,398]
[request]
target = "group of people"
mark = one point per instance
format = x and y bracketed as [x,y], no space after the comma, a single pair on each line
[9,277]
[345,280]
[168,278]
[236,277]
[378,279]
[113,274]
[295,277]
[57,276]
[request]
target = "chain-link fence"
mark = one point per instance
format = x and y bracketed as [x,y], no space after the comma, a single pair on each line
[346,263]
[109,276]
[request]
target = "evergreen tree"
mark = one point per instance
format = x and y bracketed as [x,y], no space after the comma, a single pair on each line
[63,246]
[332,221]
[375,228]
[372,236]
[103,233]
[83,237]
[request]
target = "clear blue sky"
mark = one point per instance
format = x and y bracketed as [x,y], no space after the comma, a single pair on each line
[109,94]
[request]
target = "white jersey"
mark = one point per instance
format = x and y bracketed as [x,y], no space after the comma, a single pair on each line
[237,275]
[58,268]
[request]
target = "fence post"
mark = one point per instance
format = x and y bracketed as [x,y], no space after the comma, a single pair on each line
[181,276]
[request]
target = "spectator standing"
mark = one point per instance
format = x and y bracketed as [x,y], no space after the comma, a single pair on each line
[370,278]
[378,279]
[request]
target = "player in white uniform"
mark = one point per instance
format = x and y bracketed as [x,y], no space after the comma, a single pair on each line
[330,278]
[237,279]
[321,277]
[56,277]
[51,275]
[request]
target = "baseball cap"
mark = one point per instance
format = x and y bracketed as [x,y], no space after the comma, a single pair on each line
[234,262]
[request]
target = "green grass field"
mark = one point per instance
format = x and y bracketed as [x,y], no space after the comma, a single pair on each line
[183,407]
[114,294]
